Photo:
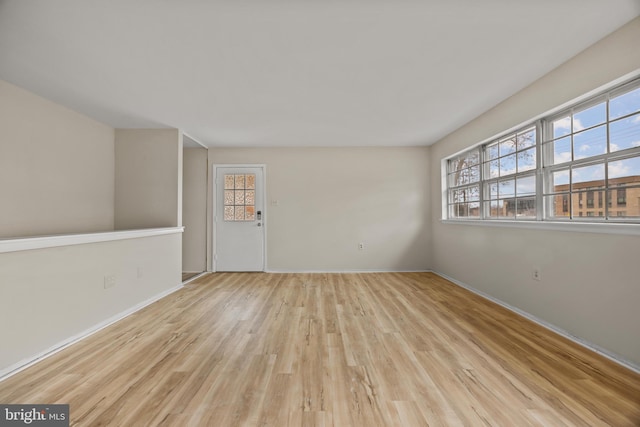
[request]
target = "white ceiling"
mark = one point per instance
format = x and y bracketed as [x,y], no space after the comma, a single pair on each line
[294,73]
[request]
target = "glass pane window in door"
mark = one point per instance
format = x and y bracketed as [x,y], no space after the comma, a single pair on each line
[250,197]
[228,213]
[239,213]
[249,213]
[228,198]
[239,197]
[239,182]
[229,182]
[250,182]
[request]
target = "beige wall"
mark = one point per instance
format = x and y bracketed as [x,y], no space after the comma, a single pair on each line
[330,199]
[194,210]
[148,178]
[589,283]
[50,295]
[56,168]
[57,176]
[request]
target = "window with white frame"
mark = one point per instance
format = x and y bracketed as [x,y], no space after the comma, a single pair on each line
[582,163]
[509,167]
[463,178]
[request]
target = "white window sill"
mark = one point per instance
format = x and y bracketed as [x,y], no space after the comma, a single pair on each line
[577,226]
[41,242]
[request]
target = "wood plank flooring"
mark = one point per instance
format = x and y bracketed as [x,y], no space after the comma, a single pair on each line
[388,349]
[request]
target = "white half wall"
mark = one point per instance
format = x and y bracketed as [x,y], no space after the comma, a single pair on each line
[589,285]
[322,202]
[52,295]
[56,168]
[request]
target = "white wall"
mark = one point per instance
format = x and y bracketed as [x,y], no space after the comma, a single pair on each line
[148,178]
[194,210]
[50,295]
[56,168]
[330,199]
[589,281]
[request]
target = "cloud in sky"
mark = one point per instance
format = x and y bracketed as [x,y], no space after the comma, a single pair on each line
[562,157]
[619,169]
[564,123]
[526,185]
[561,177]
[588,173]
[625,167]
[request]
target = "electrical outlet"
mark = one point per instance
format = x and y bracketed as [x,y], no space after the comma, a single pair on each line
[109,281]
[536,275]
[140,272]
[360,246]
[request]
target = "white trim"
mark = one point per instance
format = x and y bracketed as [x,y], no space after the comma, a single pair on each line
[214,175]
[29,361]
[344,271]
[195,277]
[573,226]
[553,328]
[41,242]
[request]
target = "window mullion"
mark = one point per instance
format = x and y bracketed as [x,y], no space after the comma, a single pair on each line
[540,136]
[481,181]
[606,162]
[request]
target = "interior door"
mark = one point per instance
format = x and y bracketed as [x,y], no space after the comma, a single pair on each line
[239,218]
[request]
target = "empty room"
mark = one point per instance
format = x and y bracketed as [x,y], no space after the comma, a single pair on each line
[381,213]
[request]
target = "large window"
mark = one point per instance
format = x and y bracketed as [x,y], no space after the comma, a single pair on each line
[561,167]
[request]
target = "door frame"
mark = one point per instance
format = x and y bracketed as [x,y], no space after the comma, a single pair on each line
[214,249]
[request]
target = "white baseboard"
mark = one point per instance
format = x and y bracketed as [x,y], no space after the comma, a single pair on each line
[553,328]
[202,273]
[346,271]
[25,363]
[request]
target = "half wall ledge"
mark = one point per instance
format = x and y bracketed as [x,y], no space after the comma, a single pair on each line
[41,242]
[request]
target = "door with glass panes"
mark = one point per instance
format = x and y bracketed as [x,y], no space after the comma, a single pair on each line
[239,232]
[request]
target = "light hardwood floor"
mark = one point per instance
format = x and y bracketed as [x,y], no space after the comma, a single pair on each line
[393,349]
